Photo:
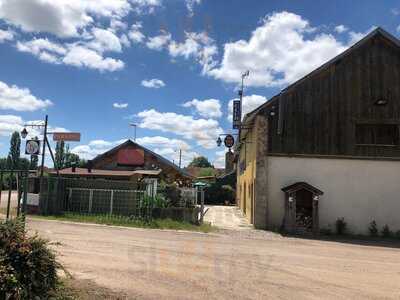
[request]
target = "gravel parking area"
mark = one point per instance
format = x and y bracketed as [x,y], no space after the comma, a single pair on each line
[231,264]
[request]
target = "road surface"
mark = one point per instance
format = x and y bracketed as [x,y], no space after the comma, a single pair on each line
[246,264]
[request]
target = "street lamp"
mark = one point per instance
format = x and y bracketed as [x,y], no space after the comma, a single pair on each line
[24,133]
[219,141]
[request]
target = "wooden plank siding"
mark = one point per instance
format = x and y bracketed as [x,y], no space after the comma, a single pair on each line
[319,114]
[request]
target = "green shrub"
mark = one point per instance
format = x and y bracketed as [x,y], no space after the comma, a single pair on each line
[28,268]
[341,226]
[373,228]
[386,232]
[397,234]
[219,194]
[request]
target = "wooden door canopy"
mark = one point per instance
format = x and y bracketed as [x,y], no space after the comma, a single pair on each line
[302,186]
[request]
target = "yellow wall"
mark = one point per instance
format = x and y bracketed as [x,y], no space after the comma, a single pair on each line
[246,178]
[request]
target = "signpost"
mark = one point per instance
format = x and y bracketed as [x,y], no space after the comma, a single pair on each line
[229,141]
[67,136]
[237,114]
[32,147]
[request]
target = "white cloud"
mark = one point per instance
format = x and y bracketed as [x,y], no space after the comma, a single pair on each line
[70,54]
[341,28]
[6,35]
[153,83]
[66,18]
[210,108]
[159,41]
[120,105]
[135,33]
[198,46]
[249,103]
[395,11]
[80,56]
[219,161]
[398,28]
[9,124]
[20,99]
[190,6]
[278,52]
[203,131]
[104,40]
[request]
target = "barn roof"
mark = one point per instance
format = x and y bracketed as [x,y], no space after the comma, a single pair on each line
[376,32]
[159,157]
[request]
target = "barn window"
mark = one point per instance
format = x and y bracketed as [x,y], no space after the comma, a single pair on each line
[377,134]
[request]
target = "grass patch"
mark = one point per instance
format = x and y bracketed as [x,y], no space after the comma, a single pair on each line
[130,222]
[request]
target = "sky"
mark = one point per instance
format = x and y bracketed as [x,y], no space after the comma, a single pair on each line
[172,67]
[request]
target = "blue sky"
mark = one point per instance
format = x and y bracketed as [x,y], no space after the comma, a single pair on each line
[170,66]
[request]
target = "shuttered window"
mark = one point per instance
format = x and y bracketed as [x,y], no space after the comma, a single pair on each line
[377,134]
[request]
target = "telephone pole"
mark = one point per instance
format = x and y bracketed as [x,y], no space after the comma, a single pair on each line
[180,158]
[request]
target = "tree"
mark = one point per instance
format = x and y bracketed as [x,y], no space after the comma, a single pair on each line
[60,155]
[24,164]
[15,150]
[73,159]
[201,162]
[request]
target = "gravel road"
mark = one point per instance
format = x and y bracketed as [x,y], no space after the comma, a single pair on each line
[250,264]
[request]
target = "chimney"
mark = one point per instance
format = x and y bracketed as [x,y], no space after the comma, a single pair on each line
[89,166]
[73,167]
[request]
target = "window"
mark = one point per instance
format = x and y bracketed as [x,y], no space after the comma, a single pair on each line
[377,134]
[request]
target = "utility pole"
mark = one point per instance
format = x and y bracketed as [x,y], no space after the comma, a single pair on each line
[180,158]
[44,146]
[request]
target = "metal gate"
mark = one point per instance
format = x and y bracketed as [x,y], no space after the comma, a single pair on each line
[13,193]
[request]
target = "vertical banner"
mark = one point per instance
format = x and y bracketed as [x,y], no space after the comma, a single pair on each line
[237,114]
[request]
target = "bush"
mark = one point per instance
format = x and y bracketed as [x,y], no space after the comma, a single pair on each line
[397,234]
[28,268]
[341,226]
[373,228]
[386,231]
[219,194]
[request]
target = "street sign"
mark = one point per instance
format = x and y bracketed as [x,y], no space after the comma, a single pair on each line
[229,141]
[237,114]
[32,147]
[66,136]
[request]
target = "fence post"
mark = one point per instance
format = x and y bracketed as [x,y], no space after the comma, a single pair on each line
[1,184]
[9,194]
[90,200]
[111,202]
[202,206]
[25,197]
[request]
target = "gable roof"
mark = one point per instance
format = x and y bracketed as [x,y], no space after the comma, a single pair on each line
[376,32]
[159,157]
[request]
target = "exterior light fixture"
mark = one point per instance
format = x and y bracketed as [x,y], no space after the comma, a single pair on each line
[316,198]
[381,102]
[219,141]
[290,199]
[24,133]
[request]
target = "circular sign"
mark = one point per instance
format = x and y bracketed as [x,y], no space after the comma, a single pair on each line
[229,141]
[32,147]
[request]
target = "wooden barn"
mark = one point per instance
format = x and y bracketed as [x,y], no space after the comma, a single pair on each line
[327,146]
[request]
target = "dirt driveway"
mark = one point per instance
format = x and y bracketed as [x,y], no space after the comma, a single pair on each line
[250,264]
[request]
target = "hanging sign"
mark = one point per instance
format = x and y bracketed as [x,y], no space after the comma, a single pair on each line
[237,114]
[229,141]
[32,147]
[67,136]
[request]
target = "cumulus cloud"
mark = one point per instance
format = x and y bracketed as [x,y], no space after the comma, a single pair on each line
[210,108]
[278,52]
[356,36]
[219,160]
[153,83]
[202,131]
[9,124]
[198,46]
[20,99]
[120,105]
[249,103]
[341,29]
[65,18]
[135,33]
[72,54]
[159,41]
[6,35]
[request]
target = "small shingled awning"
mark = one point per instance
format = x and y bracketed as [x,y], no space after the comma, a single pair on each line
[302,186]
